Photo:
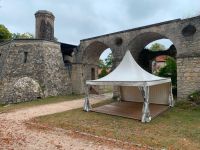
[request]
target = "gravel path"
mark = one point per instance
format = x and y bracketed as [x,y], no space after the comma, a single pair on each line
[14,134]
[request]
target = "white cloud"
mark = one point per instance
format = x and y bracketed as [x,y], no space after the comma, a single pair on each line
[80,19]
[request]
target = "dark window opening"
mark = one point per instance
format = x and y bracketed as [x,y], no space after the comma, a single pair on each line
[93,73]
[25,56]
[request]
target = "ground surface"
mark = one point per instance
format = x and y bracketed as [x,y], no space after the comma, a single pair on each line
[178,128]
[49,100]
[15,134]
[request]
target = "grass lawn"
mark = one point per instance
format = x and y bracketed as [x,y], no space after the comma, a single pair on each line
[49,100]
[178,128]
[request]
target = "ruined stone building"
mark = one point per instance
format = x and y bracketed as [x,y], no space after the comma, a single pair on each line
[41,67]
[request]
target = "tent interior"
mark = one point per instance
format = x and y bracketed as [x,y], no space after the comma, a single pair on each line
[142,95]
[131,102]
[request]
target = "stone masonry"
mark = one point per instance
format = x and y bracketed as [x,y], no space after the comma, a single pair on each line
[44,28]
[188,70]
[40,63]
[36,68]
[184,34]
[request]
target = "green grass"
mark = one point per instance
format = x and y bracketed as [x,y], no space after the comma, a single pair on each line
[178,128]
[49,100]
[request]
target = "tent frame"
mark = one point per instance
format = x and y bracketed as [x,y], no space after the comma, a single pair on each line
[144,89]
[129,73]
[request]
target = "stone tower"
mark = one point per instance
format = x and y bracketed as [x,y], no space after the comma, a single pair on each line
[44,25]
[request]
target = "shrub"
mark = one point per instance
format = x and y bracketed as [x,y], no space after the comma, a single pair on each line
[103,72]
[195,97]
[170,70]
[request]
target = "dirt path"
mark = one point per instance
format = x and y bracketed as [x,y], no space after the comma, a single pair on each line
[14,134]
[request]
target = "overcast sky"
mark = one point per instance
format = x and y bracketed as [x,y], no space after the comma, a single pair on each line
[79,19]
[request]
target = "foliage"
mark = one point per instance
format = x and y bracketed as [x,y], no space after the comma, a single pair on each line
[195,97]
[4,33]
[26,35]
[169,70]
[157,47]
[103,73]
[105,65]
[101,64]
[109,61]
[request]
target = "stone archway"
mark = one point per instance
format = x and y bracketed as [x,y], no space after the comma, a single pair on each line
[137,44]
[90,59]
[184,33]
[146,56]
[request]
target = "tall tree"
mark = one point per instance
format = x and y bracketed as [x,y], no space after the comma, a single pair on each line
[157,47]
[4,33]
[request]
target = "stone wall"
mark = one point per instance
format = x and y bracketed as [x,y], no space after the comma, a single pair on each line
[77,78]
[188,76]
[41,61]
[183,33]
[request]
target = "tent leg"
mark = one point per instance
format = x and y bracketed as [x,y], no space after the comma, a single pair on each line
[146,117]
[87,107]
[119,98]
[171,99]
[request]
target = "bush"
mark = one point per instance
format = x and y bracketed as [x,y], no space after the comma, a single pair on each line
[195,97]
[103,73]
[170,71]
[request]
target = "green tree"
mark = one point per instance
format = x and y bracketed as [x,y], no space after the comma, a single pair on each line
[157,47]
[109,61]
[101,64]
[103,73]
[26,35]
[170,70]
[4,33]
[105,65]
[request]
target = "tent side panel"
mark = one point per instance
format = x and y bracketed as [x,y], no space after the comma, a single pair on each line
[159,94]
[131,93]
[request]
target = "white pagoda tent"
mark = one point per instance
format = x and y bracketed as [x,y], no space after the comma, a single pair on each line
[136,85]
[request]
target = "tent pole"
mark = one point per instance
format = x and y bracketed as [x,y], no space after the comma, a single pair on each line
[119,98]
[146,117]
[87,107]
[171,99]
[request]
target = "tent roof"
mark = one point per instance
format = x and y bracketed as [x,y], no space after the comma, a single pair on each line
[129,73]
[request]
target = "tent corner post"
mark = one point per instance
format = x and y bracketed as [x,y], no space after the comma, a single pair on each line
[87,107]
[171,98]
[146,116]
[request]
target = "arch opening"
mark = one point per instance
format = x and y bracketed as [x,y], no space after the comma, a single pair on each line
[97,59]
[140,48]
[105,63]
[153,51]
